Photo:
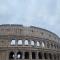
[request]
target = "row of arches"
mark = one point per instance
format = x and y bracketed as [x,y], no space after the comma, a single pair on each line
[34,55]
[27,42]
[34,43]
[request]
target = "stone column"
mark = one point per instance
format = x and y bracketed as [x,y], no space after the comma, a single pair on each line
[16,42]
[52,56]
[23,42]
[7,55]
[45,44]
[50,45]
[35,43]
[48,56]
[43,55]
[30,55]
[15,56]
[29,42]
[23,55]
[57,57]
[37,55]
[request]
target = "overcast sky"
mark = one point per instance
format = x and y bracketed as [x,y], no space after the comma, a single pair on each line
[40,13]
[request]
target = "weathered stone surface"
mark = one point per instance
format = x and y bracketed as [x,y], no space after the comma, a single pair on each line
[50,48]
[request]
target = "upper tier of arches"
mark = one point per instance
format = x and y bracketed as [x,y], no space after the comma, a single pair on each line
[15,29]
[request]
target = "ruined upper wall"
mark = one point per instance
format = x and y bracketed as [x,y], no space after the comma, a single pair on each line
[21,30]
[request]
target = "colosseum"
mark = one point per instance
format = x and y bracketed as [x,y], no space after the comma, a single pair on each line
[18,42]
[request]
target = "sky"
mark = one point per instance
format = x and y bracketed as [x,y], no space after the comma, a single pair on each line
[40,13]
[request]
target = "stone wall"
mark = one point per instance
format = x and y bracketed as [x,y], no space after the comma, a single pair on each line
[8,33]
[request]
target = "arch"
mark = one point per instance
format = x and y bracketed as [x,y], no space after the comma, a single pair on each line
[45,56]
[32,43]
[19,42]
[19,55]
[50,55]
[33,55]
[11,55]
[26,42]
[26,55]
[40,55]
[13,42]
[38,44]
[43,44]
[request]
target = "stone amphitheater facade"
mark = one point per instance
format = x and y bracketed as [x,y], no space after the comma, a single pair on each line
[18,42]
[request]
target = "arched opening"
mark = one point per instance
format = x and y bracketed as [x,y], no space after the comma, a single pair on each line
[45,56]
[26,55]
[38,44]
[43,45]
[40,55]
[26,42]
[19,55]
[50,56]
[54,56]
[13,42]
[11,55]
[33,55]
[19,42]
[32,43]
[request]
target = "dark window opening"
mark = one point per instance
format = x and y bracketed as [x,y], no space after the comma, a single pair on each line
[40,55]
[19,55]
[11,55]
[33,55]
[58,56]
[50,56]
[54,56]
[26,55]
[54,45]
[45,55]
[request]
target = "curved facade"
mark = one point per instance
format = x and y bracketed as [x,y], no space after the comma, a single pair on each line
[28,43]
